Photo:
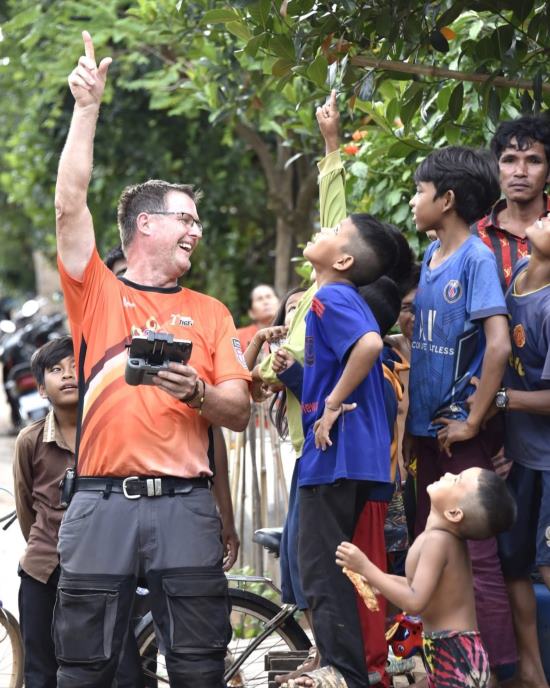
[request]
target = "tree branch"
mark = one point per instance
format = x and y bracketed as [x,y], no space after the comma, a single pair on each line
[259,146]
[306,194]
[425,70]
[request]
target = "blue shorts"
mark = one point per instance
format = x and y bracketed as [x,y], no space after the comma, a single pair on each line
[528,541]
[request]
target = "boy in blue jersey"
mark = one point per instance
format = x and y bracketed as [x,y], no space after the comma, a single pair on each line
[526,400]
[346,455]
[460,333]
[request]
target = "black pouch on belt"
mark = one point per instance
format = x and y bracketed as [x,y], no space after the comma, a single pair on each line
[67,487]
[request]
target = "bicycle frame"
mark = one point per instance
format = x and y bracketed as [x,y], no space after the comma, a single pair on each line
[287,611]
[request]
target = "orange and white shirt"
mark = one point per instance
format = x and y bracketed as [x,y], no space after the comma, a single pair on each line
[127,430]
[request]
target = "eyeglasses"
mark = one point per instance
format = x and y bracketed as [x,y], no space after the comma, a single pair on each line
[188,221]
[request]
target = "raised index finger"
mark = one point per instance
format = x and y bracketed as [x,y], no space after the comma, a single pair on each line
[88,45]
[332,100]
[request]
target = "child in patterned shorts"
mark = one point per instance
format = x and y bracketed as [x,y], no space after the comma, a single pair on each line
[472,505]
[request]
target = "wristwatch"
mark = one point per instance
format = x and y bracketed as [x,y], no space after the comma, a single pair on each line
[501,398]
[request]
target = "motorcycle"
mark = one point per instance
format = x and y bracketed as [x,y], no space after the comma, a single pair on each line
[29,331]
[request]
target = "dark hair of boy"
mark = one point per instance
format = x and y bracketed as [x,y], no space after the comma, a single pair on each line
[525,130]
[49,354]
[277,406]
[490,511]
[412,281]
[470,174]
[401,270]
[374,249]
[384,299]
[114,255]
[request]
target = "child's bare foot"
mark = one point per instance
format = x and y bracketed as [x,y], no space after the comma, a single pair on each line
[312,662]
[325,677]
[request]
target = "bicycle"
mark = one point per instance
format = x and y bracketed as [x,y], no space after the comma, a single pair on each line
[11,642]
[262,633]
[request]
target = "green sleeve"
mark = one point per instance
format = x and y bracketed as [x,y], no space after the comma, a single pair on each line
[332,191]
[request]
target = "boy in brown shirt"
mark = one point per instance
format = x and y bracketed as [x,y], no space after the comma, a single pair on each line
[43,452]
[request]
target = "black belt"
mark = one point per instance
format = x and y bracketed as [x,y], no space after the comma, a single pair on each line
[135,487]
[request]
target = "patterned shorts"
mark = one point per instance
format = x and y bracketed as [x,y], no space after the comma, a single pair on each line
[455,659]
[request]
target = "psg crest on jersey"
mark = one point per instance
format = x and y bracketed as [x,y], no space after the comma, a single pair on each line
[452,291]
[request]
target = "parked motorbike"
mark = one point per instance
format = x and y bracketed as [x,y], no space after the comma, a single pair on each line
[29,331]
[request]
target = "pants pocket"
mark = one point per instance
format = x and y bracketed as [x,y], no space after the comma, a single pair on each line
[83,625]
[198,608]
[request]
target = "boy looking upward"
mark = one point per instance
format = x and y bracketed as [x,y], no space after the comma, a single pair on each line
[522,148]
[460,332]
[346,454]
[473,505]
[526,401]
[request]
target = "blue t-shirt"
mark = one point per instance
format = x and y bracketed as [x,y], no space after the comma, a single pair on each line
[448,341]
[360,438]
[527,438]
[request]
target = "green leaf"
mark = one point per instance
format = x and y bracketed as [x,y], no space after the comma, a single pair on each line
[240,30]
[452,133]
[254,44]
[359,169]
[522,9]
[317,70]
[23,19]
[456,100]
[410,107]
[281,67]
[537,87]
[493,106]
[219,17]
[439,42]
[259,11]
[282,46]
[450,15]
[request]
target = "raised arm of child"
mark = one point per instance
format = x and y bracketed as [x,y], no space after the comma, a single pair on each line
[266,334]
[362,357]
[412,597]
[496,355]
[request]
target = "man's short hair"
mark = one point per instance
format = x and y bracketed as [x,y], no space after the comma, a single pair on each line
[384,300]
[142,198]
[525,130]
[113,256]
[490,511]
[400,272]
[472,176]
[50,354]
[374,249]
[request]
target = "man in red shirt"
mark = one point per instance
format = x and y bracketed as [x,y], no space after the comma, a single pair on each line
[262,309]
[522,148]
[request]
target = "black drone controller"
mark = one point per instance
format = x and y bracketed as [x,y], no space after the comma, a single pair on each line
[149,354]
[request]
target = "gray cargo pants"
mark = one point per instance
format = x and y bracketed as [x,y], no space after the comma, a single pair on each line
[172,541]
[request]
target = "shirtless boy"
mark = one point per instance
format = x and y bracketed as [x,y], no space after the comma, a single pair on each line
[472,505]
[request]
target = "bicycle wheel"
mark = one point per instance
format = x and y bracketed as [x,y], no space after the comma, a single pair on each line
[11,651]
[250,615]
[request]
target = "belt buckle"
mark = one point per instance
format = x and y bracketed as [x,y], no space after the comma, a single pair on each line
[124,487]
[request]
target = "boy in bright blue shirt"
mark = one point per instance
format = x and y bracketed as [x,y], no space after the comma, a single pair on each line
[460,337]
[346,455]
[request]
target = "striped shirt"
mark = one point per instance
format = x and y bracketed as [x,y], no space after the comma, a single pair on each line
[508,248]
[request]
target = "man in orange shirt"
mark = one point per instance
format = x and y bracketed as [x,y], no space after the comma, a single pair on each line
[142,504]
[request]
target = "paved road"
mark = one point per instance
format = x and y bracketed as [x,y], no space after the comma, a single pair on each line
[12,543]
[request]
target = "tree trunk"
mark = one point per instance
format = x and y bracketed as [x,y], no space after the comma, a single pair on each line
[283,254]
